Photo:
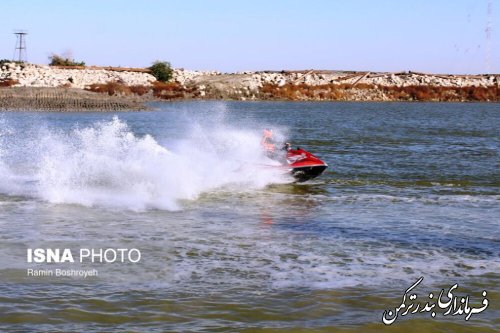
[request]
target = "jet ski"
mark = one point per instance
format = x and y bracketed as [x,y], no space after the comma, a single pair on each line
[303,165]
[300,163]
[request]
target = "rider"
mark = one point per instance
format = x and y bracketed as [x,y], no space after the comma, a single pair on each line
[267,141]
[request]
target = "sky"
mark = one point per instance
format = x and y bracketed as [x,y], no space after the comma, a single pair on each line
[434,36]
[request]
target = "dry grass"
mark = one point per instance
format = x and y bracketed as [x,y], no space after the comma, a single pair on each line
[162,90]
[167,90]
[438,93]
[303,91]
[111,88]
[139,90]
[171,90]
[8,82]
[371,92]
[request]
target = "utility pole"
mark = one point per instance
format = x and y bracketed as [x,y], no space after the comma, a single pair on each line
[20,50]
[489,28]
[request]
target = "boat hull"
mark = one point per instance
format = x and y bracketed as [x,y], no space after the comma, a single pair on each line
[305,173]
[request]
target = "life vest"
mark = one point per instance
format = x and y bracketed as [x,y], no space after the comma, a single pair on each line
[266,142]
[269,147]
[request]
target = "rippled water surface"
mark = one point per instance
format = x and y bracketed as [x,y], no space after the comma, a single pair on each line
[229,242]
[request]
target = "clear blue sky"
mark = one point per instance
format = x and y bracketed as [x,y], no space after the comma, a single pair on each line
[229,35]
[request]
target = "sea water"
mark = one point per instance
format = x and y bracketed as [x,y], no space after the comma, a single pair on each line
[228,242]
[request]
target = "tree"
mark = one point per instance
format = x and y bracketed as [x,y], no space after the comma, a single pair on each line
[161,70]
[57,60]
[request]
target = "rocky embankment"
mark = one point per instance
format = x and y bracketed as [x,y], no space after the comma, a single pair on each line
[339,85]
[30,75]
[262,85]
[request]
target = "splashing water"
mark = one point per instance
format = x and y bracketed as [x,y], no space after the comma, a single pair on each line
[106,164]
[412,191]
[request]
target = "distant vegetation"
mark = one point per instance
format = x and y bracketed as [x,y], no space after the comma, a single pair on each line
[7,61]
[117,89]
[345,92]
[161,90]
[8,82]
[57,60]
[161,70]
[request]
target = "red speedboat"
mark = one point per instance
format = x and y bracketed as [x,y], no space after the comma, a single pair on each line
[304,165]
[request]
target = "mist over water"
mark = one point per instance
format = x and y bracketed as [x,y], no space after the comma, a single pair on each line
[411,190]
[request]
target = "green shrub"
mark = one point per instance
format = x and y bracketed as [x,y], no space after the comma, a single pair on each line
[57,60]
[161,70]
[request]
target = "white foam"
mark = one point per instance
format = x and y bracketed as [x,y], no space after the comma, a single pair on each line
[106,164]
[287,262]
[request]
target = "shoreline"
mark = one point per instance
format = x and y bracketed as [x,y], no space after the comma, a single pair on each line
[67,100]
[63,99]
[112,88]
